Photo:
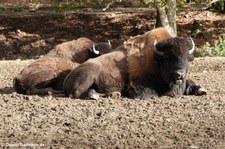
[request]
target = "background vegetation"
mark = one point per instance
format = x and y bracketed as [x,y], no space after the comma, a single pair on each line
[166,13]
[216,49]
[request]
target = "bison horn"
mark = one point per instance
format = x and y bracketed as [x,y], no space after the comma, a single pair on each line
[155,49]
[193,46]
[109,43]
[95,51]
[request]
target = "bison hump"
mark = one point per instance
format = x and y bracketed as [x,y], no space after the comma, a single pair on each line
[140,54]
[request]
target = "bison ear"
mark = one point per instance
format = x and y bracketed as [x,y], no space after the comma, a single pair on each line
[193,46]
[160,53]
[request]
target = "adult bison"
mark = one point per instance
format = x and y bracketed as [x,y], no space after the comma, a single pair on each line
[46,75]
[152,64]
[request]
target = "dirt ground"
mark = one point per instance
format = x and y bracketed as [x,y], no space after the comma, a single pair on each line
[55,122]
[192,122]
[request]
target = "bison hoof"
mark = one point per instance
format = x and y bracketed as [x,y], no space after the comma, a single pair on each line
[115,95]
[92,94]
[201,91]
[50,93]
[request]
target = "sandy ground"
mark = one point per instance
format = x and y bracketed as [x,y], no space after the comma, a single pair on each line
[49,122]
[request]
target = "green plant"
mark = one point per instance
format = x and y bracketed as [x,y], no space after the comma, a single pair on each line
[64,5]
[218,49]
[17,9]
[218,5]
[2,8]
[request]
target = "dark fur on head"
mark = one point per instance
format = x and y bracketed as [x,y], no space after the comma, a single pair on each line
[173,63]
[100,48]
[176,46]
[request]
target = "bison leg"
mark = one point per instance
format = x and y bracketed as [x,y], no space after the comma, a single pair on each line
[80,80]
[18,86]
[114,95]
[80,89]
[140,92]
[44,88]
[35,80]
[193,89]
[44,91]
[95,95]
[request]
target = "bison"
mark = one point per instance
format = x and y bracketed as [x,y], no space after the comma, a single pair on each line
[46,75]
[145,66]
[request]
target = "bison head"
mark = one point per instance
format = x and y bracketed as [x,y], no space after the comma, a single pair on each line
[171,56]
[101,48]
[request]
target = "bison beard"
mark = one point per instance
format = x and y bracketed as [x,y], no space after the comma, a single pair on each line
[152,64]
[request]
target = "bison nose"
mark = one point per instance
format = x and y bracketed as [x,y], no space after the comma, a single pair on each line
[180,74]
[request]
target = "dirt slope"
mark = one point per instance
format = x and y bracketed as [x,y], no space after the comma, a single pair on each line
[26,35]
[50,122]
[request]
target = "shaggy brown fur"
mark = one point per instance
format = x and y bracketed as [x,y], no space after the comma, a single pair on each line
[150,73]
[48,73]
[75,50]
[105,74]
[140,55]
[137,66]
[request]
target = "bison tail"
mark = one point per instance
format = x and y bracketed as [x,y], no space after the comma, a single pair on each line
[18,86]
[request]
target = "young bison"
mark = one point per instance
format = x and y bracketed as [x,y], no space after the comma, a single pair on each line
[46,75]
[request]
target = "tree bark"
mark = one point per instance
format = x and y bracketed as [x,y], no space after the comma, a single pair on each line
[166,17]
[171,14]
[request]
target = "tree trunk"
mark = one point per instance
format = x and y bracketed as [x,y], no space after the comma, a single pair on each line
[166,17]
[158,20]
[171,14]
